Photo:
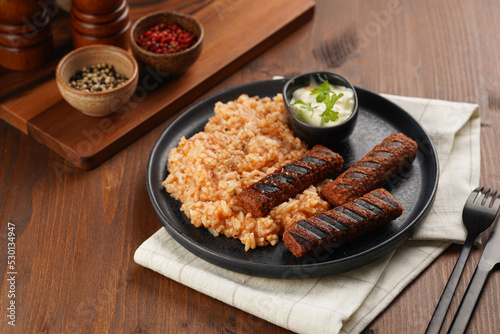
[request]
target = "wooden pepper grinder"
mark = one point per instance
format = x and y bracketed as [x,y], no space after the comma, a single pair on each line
[100,22]
[25,35]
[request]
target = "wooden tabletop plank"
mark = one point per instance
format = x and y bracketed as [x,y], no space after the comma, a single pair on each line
[28,104]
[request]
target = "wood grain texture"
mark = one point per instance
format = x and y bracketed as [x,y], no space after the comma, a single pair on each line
[25,35]
[100,22]
[77,231]
[63,129]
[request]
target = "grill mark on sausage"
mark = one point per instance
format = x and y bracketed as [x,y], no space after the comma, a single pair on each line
[380,154]
[326,153]
[394,143]
[313,160]
[387,200]
[331,222]
[355,175]
[283,178]
[311,229]
[349,214]
[344,185]
[368,164]
[300,240]
[267,187]
[372,208]
[301,170]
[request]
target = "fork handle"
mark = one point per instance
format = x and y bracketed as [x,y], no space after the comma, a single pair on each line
[444,302]
[468,304]
[489,259]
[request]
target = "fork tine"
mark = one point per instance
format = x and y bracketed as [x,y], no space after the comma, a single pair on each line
[474,195]
[488,198]
[495,200]
[483,196]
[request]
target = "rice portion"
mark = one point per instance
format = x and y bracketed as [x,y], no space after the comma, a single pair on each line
[246,139]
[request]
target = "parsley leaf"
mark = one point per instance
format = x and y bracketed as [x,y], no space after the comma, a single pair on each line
[304,105]
[323,91]
[330,115]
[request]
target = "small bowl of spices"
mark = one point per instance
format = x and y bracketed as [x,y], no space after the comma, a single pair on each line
[168,42]
[97,79]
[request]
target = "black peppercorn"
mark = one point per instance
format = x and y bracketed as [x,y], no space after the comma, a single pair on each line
[97,78]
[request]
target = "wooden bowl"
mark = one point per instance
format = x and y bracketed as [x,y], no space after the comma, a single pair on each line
[97,103]
[174,64]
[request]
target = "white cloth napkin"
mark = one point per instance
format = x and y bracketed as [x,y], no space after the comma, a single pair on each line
[348,302]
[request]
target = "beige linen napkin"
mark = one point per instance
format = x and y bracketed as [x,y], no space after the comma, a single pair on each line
[348,302]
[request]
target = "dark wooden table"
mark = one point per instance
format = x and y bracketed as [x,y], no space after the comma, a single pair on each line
[76,232]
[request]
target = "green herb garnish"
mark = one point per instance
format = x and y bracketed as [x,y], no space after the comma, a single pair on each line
[323,91]
[324,95]
[330,115]
[304,105]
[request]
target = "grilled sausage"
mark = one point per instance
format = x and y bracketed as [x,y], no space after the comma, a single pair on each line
[342,224]
[372,171]
[290,180]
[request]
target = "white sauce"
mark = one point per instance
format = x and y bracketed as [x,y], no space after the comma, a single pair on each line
[344,106]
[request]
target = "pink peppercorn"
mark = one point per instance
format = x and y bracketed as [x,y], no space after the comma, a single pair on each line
[166,38]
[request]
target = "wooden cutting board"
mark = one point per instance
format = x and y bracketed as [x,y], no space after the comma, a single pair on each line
[236,31]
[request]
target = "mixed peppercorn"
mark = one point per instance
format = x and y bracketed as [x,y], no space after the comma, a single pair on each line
[97,78]
[166,38]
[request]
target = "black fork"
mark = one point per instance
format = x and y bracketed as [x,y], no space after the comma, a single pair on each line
[489,259]
[479,213]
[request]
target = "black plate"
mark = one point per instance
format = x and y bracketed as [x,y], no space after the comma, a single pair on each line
[414,188]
